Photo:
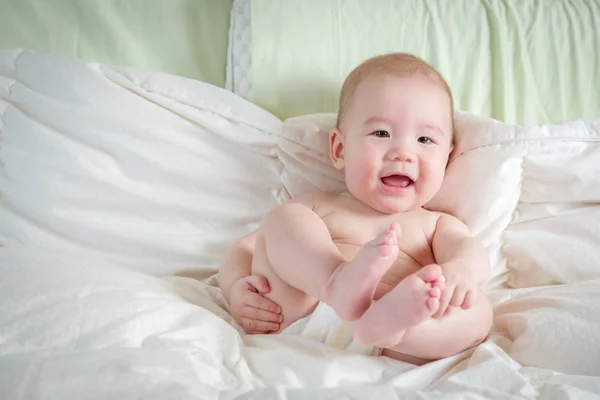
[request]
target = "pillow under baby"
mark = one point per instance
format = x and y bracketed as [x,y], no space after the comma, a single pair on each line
[532,195]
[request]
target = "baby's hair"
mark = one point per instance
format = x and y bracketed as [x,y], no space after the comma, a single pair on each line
[394,64]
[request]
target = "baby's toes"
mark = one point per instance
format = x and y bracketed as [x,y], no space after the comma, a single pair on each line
[435,292]
[439,283]
[433,303]
[390,236]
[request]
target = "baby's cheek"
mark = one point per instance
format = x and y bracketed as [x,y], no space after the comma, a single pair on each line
[353,178]
[431,181]
[362,172]
[437,179]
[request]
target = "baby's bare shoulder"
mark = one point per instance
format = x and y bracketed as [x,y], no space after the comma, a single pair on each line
[429,219]
[316,200]
[432,220]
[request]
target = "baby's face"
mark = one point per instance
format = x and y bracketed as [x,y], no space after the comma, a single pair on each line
[396,140]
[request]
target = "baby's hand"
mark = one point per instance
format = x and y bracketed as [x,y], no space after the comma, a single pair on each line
[254,312]
[460,289]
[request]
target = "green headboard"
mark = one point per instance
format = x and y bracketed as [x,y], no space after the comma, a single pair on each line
[519,61]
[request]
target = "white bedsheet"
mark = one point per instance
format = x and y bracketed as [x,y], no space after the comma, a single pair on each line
[103,331]
[112,181]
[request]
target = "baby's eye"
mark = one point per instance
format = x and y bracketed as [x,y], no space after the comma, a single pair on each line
[381,134]
[424,140]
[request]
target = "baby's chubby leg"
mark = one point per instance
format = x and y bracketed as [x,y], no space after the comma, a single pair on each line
[352,284]
[437,338]
[294,251]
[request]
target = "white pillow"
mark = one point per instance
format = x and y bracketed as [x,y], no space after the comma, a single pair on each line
[155,171]
[555,234]
[526,193]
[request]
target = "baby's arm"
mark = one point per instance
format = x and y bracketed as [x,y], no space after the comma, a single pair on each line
[244,292]
[464,261]
[237,263]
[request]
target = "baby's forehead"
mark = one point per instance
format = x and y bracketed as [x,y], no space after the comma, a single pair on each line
[381,81]
[365,102]
[378,93]
[395,66]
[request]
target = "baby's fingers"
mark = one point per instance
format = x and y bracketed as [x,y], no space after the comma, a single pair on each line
[470,299]
[444,301]
[256,300]
[254,326]
[259,283]
[261,315]
[458,297]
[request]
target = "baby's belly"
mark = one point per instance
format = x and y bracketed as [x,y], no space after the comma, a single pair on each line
[404,266]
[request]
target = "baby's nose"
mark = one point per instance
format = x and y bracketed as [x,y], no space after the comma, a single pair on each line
[402,153]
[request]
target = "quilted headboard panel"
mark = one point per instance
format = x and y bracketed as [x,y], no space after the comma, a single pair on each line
[524,62]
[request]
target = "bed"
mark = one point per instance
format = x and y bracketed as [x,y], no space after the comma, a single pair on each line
[123,184]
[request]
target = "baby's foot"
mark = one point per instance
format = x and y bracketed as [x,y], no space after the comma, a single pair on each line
[352,286]
[414,299]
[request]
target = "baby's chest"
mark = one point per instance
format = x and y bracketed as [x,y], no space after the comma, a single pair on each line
[354,229]
[350,231]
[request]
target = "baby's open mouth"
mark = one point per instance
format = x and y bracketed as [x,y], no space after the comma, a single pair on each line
[397,180]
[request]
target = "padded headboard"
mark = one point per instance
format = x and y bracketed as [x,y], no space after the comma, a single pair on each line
[182,37]
[524,62]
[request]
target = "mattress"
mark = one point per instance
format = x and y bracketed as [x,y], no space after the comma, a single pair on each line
[518,62]
[183,37]
[122,188]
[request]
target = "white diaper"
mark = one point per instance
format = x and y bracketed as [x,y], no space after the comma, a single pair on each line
[324,326]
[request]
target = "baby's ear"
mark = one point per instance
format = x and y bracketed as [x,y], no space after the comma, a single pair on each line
[336,148]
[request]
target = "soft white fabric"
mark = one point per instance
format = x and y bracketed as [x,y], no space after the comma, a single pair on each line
[156,171]
[324,326]
[549,325]
[97,330]
[109,176]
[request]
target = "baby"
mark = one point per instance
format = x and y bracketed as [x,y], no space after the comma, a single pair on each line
[409,278]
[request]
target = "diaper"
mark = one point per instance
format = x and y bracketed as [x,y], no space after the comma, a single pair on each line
[324,326]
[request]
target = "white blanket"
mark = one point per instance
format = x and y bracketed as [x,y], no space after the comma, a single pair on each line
[158,172]
[113,181]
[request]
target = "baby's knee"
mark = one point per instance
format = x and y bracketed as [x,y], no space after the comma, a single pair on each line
[285,212]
